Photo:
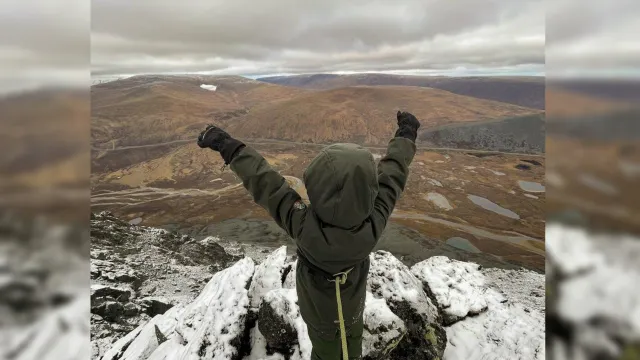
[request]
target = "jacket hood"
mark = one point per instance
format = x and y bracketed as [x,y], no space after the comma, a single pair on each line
[342,185]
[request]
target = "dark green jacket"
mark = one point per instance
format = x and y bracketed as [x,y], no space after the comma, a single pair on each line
[351,201]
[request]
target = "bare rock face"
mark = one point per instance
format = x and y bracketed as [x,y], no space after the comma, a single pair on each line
[391,280]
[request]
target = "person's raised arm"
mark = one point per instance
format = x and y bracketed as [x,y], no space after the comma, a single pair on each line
[268,188]
[393,170]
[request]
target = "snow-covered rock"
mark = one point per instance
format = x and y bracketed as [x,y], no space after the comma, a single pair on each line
[400,319]
[211,327]
[391,280]
[281,324]
[592,300]
[268,276]
[457,287]
[290,280]
[383,330]
[60,334]
[504,331]
[506,328]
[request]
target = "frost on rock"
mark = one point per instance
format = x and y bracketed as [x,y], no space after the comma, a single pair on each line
[383,330]
[457,287]
[391,280]
[268,276]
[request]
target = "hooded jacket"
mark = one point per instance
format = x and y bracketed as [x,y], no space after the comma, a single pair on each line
[351,200]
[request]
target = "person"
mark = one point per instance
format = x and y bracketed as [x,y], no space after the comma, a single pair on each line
[350,201]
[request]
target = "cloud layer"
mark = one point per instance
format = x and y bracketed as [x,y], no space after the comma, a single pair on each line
[289,36]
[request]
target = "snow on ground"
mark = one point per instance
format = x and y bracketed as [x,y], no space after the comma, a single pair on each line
[506,328]
[518,286]
[439,200]
[209,87]
[531,196]
[601,276]
[504,331]
[498,173]
[268,276]
[457,286]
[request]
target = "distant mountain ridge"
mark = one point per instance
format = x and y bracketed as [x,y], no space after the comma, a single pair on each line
[522,91]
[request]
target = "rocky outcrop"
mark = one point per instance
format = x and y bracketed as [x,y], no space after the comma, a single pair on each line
[138,273]
[250,311]
[391,280]
[524,134]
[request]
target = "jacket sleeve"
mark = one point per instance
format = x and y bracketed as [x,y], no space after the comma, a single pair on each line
[270,190]
[393,171]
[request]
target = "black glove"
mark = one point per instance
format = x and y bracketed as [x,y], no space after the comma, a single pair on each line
[408,126]
[217,139]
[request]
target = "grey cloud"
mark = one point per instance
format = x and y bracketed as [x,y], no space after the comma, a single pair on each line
[313,36]
[43,43]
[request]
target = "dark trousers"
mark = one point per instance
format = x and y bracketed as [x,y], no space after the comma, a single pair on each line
[326,347]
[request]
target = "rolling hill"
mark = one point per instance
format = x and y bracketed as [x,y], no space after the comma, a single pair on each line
[521,91]
[363,114]
[154,109]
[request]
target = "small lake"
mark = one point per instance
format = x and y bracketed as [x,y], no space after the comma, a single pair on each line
[531,186]
[491,206]
[135,221]
[463,244]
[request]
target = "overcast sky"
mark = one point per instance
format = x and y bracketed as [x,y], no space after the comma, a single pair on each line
[293,36]
[47,41]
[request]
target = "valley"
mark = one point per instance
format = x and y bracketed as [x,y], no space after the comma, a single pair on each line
[462,201]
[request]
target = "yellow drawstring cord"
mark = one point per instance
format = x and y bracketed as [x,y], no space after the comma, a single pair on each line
[341,279]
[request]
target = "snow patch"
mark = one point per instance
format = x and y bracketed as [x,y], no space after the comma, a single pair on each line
[439,200]
[458,287]
[435,182]
[531,196]
[209,87]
